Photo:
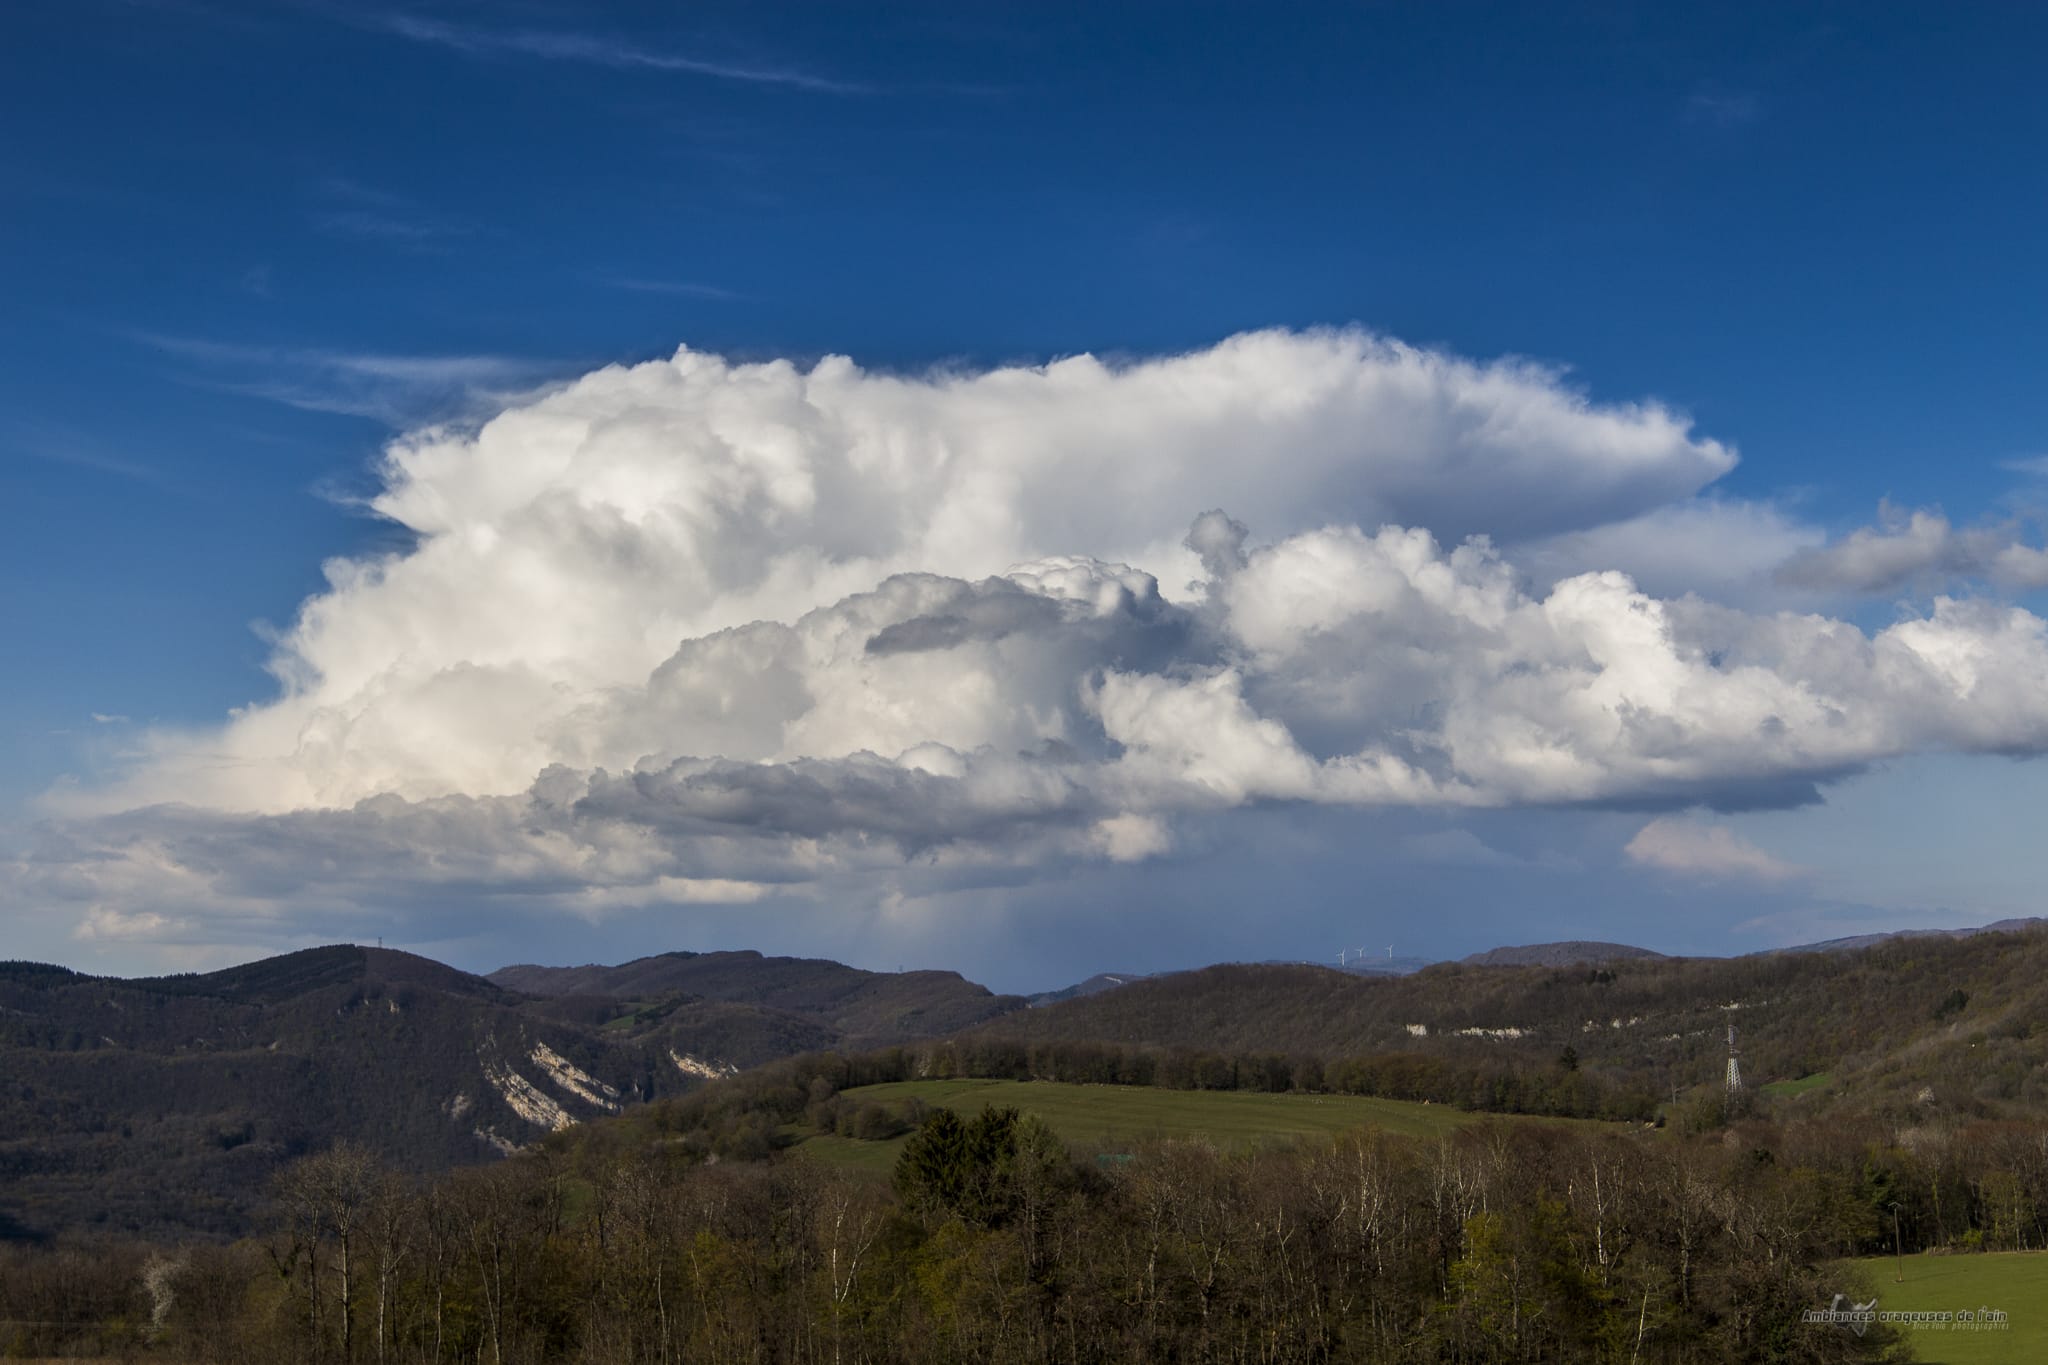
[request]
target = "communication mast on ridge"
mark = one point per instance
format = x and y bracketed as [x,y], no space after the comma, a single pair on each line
[1734,1065]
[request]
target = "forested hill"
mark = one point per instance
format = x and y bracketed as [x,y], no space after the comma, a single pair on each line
[1567,954]
[165,1103]
[859,1008]
[1939,1022]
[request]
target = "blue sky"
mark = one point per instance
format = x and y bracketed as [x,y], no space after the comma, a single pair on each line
[245,246]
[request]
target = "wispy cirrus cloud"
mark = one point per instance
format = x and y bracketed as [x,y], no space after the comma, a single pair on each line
[690,289]
[1715,107]
[55,444]
[345,208]
[395,389]
[599,50]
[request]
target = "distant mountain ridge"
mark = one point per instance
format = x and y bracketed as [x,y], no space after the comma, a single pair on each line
[1562,953]
[860,1008]
[1853,942]
[1581,952]
[1569,953]
[1363,965]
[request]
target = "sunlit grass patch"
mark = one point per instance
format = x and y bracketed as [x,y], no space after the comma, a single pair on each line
[2014,1283]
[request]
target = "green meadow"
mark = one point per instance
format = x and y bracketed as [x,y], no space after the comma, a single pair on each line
[2014,1283]
[1107,1115]
[1786,1089]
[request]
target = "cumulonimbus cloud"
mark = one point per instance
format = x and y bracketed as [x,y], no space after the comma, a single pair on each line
[689,629]
[569,545]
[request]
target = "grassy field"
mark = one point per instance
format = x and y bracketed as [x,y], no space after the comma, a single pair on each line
[2015,1283]
[851,1153]
[1112,1114]
[1798,1087]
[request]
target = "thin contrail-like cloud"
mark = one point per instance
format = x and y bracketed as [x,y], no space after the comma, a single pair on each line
[595,50]
[395,389]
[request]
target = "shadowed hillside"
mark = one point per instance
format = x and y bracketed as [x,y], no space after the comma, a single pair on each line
[164,1103]
[860,1008]
[139,1105]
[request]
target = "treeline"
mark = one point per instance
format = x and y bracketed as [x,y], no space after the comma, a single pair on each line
[997,1243]
[1468,1078]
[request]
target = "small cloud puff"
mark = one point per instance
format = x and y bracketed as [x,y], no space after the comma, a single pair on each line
[1920,547]
[1694,849]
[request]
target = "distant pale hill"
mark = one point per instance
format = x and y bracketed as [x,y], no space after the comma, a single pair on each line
[1365,965]
[1578,952]
[1856,941]
[1570,953]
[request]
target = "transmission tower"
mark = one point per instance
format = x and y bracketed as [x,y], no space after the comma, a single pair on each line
[1734,1065]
